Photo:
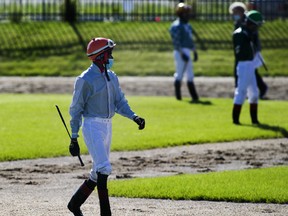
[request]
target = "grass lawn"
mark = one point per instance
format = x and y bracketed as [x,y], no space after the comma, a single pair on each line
[31,128]
[60,37]
[143,48]
[266,185]
[140,63]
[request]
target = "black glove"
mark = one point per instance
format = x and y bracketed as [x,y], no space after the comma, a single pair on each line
[185,57]
[140,122]
[195,56]
[74,147]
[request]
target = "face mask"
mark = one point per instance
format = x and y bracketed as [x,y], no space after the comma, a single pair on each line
[110,63]
[236,17]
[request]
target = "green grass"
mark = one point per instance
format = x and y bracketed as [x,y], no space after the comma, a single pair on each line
[143,48]
[140,63]
[138,35]
[31,128]
[266,185]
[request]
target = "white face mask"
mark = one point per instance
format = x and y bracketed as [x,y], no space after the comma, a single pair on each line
[236,17]
[110,63]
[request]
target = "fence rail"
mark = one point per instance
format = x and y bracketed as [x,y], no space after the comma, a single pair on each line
[130,10]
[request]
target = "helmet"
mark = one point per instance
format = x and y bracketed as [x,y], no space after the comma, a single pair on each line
[237,5]
[255,17]
[98,46]
[183,9]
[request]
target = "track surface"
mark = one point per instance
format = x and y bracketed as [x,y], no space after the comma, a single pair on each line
[160,86]
[44,186]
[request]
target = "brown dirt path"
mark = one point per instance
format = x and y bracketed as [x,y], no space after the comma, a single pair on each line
[44,186]
[161,86]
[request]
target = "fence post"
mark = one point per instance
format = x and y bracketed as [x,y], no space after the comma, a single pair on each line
[43,10]
[70,13]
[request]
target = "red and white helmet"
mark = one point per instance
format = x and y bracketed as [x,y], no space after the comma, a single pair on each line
[97,46]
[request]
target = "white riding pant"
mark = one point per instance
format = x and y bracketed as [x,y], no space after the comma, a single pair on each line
[97,136]
[247,84]
[183,67]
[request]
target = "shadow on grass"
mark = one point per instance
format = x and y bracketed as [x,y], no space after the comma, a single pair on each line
[52,43]
[201,102]
[276,129]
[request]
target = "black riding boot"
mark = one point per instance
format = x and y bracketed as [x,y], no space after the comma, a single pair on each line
[192,91]
[103,195]
[104,202]
[80,197]
[177,85]
[236,113]
[254,113]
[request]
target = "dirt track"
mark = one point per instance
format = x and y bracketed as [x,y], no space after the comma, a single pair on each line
[162,86]
[44,186]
